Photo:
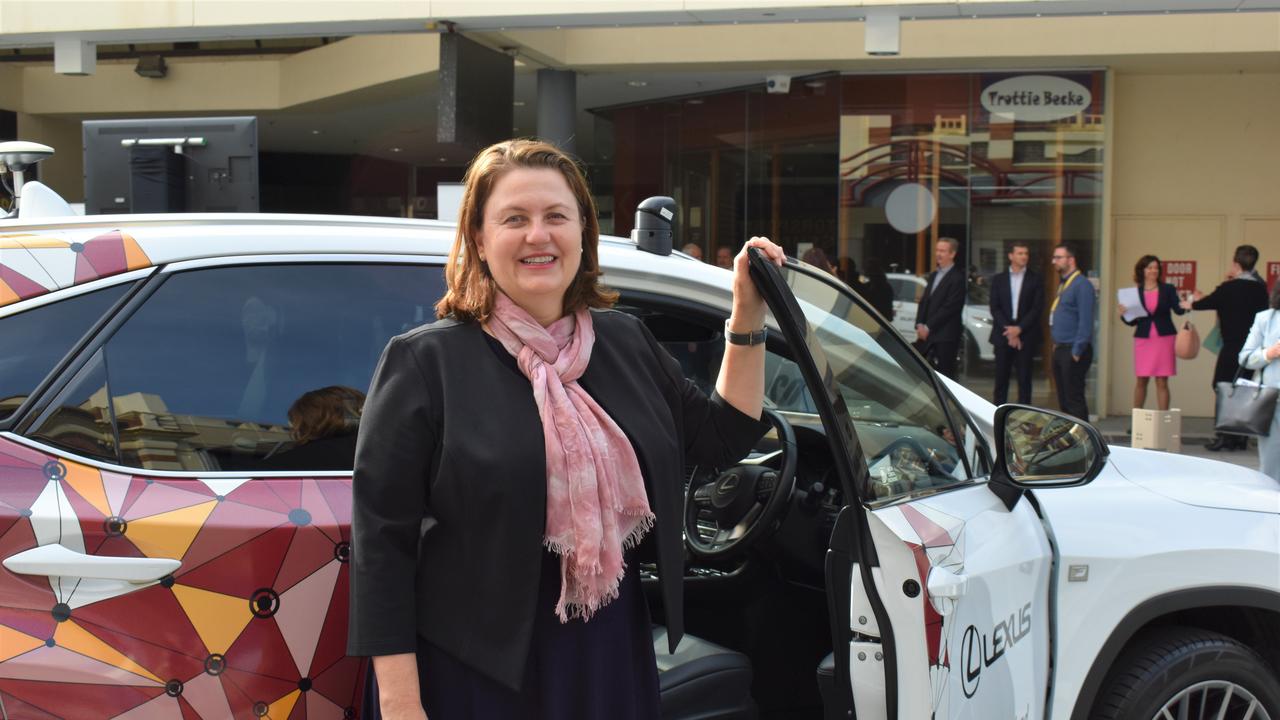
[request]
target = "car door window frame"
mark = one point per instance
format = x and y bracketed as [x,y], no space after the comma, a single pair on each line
[38,404]
[75,357]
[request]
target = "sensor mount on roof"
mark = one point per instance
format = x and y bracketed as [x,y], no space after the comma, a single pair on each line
[16,158]
[655,225]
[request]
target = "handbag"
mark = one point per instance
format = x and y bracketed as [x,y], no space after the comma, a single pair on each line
[1246,409]
[1187,345]
[1213,341]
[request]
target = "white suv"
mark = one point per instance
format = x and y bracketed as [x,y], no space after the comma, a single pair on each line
[170,550]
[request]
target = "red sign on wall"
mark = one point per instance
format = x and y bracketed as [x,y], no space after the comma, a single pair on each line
[1273,272]
[1181,274]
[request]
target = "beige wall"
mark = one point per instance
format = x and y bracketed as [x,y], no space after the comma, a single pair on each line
[65,170]
[1197,172]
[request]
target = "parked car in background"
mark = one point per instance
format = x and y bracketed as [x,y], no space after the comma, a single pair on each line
[896,546]
[907,291]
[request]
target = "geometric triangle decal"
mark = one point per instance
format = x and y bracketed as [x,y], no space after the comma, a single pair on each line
[241,569]
[230,526]
[223,486]
[159,497]
[205,694]
[162,706]
[320,708]
[14,643]
[168,535]
[55,664]
[217,618]
[134,256]
[75,638]
[87,482]
[310,550]
[282,707]
[302,612]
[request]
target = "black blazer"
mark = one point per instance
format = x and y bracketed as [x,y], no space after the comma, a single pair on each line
[941,310]
[1030,308]
[449,494]
[1166,303]
[1237,302]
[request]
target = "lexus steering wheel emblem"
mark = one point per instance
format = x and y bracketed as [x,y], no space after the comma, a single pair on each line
[727,484]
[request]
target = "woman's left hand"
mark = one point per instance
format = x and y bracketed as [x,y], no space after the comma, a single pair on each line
[748,305]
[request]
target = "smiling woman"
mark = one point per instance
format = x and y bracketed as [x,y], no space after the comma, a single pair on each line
[514,453]
[529,204]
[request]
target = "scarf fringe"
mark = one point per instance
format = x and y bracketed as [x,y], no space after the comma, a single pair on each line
[567,611]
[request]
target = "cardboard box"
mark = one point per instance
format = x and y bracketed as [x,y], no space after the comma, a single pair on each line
[1157,430]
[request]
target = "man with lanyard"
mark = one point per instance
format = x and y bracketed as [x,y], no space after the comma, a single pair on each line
[1071,326]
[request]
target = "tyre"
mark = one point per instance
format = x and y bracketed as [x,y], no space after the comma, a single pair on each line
[1189,674]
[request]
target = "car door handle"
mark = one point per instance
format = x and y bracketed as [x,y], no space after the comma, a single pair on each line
[945,588]
[54,560]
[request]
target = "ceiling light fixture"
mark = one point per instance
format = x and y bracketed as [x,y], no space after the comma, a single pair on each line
[151,66]
[637,83]
[395,149]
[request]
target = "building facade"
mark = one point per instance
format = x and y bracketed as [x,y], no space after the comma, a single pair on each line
[1120,131]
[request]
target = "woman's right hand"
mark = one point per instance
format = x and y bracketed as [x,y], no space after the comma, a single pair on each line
[1120,310]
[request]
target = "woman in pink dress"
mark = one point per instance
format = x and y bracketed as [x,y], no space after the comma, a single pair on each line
[1154,333]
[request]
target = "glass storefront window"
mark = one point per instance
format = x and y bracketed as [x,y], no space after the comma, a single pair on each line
[872,170]
[984,158]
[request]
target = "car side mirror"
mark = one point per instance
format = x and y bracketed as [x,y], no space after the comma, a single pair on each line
[1037,448]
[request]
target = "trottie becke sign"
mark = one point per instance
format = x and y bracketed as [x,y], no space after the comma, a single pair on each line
[1036,98]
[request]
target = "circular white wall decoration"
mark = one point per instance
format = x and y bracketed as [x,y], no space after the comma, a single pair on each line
[910,208]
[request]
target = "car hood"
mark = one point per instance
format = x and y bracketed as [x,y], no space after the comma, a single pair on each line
[1197,481]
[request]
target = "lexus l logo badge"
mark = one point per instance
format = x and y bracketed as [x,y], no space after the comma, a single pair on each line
[727,484]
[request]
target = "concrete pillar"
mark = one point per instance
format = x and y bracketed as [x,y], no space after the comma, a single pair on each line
[558,107]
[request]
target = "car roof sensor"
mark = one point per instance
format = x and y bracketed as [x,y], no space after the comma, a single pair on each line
[16,158]
[655,225]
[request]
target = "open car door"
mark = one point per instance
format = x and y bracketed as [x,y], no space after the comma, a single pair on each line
[937,580]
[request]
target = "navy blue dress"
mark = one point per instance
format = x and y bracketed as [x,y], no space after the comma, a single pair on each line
[602,668]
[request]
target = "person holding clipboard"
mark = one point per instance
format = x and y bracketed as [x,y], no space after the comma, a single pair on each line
[1154,333]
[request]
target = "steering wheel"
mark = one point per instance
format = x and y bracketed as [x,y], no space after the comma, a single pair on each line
[724,516]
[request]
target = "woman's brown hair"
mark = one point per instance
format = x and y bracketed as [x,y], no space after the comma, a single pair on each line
[1141,267]
[471,288]
[325,412]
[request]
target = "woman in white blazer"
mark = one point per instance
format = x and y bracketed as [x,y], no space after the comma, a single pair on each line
[1262,352]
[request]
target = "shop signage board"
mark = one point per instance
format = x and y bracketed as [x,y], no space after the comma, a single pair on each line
[1036,98]
[1181,274]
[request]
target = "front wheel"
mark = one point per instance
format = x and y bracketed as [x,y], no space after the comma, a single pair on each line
[1191,674]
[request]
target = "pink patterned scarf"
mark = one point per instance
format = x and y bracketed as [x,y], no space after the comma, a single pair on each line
[596,503]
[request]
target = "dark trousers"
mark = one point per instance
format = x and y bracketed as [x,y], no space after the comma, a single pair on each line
[942,356]
[1019,361]
[1068,375]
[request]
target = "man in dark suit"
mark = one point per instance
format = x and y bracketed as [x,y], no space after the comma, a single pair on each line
[1017,301]
[938,317]
[1237,300]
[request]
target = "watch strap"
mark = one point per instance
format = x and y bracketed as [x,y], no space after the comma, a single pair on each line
[755,337]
